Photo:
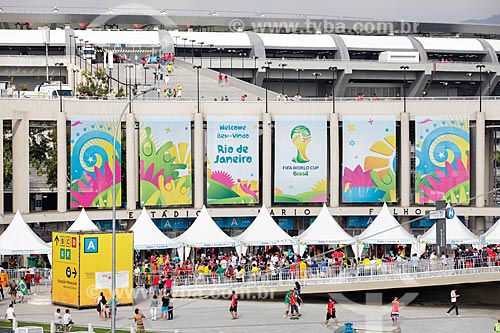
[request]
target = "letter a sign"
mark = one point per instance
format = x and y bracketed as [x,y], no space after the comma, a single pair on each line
[91,245]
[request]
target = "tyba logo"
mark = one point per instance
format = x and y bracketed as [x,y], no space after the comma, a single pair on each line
[301,136]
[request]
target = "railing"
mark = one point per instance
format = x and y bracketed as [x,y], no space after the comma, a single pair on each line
[16,274]
[363,272]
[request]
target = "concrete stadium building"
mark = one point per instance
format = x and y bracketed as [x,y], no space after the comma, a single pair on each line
[408,82]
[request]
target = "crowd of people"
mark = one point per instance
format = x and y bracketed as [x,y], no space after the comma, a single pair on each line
[215,266]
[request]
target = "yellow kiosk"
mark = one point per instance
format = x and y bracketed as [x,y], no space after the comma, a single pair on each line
[81,268]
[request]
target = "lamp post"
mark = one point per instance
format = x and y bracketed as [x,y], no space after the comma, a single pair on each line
[175,45]
[46,41]
[404,68]
[480,67]
[92,45]
[210,54]
[201,53]
[256,69]
[282,65]
[70,40]
[316,74]
[446,86]
[267,67]
[220,58]
[74,40]
[85,56]
[198,86]
[60,64]
[145,69]
[81,51]
[231,59]
[113,217]
[243,55]
[192,49]
[489,82]
[298,70]
[184,49]
[75,70]
[334,74]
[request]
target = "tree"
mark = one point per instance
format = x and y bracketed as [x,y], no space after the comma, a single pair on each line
[94,84]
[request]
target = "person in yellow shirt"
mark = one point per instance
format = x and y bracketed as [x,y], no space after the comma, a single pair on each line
[255,272]
[302,270]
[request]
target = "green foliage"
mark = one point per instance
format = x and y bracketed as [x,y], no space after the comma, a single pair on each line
[94,84]
[43,150]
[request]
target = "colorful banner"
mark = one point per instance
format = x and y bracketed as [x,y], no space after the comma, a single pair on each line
[165,161]
[91,159]
[232,160]
[442,145]
[369,159]
[300,166]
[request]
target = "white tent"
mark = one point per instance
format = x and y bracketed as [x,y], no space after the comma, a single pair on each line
[385,229]
[324,230]
[264,231]
[492,236]
[204,232]
[456,233]
[147,236]
[18,238]
[83,223]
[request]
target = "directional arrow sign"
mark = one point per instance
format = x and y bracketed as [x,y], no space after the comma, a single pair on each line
[436,214]
[74,272]
[56,240]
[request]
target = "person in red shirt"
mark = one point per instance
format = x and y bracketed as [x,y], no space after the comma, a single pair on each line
[37,278]
[233,309]
[220,79]
[395,311]
[294,308]
[331,312]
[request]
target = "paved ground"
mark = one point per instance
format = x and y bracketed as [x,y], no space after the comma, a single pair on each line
[203,315]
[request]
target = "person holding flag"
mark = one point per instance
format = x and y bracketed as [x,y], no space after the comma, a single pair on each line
[22,288]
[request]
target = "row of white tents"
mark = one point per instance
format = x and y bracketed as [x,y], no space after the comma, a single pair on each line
[18,238]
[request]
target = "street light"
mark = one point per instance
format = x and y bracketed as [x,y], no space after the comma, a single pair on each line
[81,51]
[184,49]
[75,70]
[60,64]
[69,55]
[220,58]
[267,67]
[404,68]
[282,65]
[74,40]
[145,69]
[256,69]
[113,218]
[315,74]
[201,53]
[298,70]
[481,67]
[198,85]
[231,59]
[210,54]
[243,55]
[175,45]
[447,90]
[334,74]
[85,56]
[489,82]
[192,49]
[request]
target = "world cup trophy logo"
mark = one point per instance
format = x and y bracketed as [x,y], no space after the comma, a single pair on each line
[301,136]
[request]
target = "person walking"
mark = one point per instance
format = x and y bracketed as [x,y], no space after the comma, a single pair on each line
[287,303]
[10,314]
[454,305]
[233,309]
[154,307]
[170,306]
[113,304]
[166,79]
[294,308]
[101,306]
[220,79]
[496,329]
[395,311]
[138,318]
[331,313]
[13,291]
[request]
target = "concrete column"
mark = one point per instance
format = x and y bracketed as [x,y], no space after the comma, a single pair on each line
[334,160]
[62,163]
[481,189]
[20,165]
[403,220]
[2,207]
[131,165]
[199,161]
[405,163]
[267,156]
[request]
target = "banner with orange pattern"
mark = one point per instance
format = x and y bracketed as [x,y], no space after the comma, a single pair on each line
[369,159]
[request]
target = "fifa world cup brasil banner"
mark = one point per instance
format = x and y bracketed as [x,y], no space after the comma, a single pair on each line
[232,160]
[442,145]
[369,159]
[300,165]
[92,171]
[165,161]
